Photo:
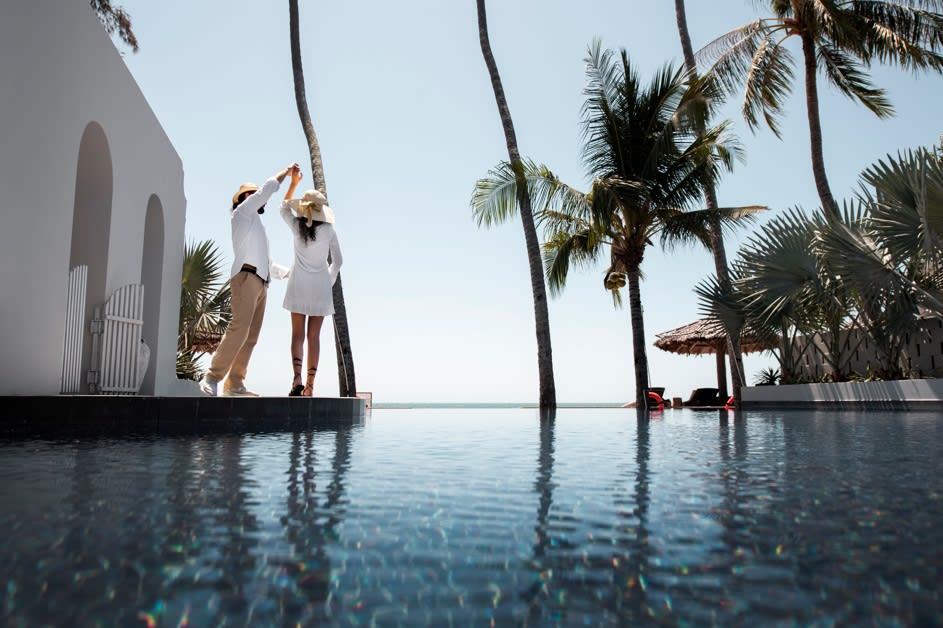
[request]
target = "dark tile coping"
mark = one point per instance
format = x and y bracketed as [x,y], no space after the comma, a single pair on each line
[105,415]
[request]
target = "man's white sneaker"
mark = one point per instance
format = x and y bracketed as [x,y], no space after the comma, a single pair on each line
[208,387]
[239,392]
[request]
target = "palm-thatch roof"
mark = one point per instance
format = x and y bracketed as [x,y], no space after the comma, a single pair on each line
[707,336]
[205,341]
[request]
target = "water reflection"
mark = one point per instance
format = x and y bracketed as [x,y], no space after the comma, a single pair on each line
[167,531]
[613,563]
[310,524]
[581,518]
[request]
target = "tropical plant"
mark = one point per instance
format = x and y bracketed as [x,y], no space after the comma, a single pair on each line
[788,290]
[116,21]
[894,258]
[840,38]
[547,388]
[717,238]
[767,377]
[905,198]
[205,306]
[648,165]
[347,380]
[871,275]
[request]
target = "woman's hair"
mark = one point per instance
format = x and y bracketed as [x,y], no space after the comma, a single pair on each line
[308,233]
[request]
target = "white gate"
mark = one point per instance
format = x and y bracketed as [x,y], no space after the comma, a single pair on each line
[74,331]
[121,340]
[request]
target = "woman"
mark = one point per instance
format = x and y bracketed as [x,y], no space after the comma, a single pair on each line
[308,296]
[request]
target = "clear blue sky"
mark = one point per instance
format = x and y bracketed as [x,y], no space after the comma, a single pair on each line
[438,309]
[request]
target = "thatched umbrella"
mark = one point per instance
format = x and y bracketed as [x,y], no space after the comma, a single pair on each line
[206,341]
[708,336]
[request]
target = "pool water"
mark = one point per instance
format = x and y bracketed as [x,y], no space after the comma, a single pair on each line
[481,516]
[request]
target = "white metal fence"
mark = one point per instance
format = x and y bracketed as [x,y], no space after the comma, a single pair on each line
[74,333]
[121,340]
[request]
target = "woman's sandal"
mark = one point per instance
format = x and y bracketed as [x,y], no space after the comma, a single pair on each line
[309,387]
[296,389]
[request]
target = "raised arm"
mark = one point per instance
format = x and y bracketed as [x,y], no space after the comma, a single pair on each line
[253,202]
[285,210]
[296,175]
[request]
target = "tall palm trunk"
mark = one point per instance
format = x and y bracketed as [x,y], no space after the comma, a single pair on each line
[345,357]
[717,239]
[829,206]
[548,394]
[640,357]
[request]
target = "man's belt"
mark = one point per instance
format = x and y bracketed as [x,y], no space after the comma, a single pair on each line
[249,268]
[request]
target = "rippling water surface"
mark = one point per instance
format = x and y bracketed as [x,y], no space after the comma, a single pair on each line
[479,516]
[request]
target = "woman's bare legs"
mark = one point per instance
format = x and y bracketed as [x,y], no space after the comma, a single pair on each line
[314,351]
[297,346]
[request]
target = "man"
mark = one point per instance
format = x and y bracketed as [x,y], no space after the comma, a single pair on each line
[252,270]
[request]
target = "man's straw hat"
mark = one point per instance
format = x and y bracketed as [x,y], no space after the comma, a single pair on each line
[245,187]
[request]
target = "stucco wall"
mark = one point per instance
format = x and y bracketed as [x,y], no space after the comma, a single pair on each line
[923,355]
[63,78]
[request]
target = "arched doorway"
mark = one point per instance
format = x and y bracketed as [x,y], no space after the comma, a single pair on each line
[91,224]
[152,267]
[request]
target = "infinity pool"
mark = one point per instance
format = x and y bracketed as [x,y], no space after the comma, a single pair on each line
[486,515]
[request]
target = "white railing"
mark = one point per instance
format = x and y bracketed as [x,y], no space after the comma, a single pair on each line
[121,340]
[74,334]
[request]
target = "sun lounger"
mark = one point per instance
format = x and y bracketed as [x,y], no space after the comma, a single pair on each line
[704,397]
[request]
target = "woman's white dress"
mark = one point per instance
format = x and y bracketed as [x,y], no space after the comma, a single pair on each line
[311,278]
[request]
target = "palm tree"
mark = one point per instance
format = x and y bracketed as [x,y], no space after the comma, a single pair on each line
[893,258]
[205,306]
[648,164]
[347,380]
[717,238]
[869,275]
[787,289]
[842,38]
[548,395]
[115,20]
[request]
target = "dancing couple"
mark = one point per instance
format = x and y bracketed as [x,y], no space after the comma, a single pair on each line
[310,280]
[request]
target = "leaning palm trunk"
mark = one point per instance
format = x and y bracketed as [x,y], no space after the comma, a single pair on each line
[347,382]
[640,357]
[829,206]
[734,353]
[548,395]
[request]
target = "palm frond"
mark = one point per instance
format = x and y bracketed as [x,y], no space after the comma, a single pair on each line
[564,249]
[495,198]
[848,76]
[767,84]
[205,297]
[731,59]
[908,34]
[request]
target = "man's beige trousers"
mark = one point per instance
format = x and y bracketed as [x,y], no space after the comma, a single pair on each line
[248,308]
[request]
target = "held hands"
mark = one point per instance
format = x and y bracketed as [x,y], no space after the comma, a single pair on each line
[291,169]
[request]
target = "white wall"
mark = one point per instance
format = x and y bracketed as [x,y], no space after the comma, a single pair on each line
[871,393]
[60,73]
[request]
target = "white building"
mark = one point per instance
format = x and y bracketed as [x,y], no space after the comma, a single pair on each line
[87,178]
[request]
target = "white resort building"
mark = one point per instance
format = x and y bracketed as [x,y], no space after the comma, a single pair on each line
[93,207]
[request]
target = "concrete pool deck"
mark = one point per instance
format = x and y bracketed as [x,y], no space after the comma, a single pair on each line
[72,415]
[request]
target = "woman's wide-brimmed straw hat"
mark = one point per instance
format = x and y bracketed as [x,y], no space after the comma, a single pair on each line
[313,206]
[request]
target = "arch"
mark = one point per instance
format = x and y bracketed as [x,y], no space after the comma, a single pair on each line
[152,272]
[91,223]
